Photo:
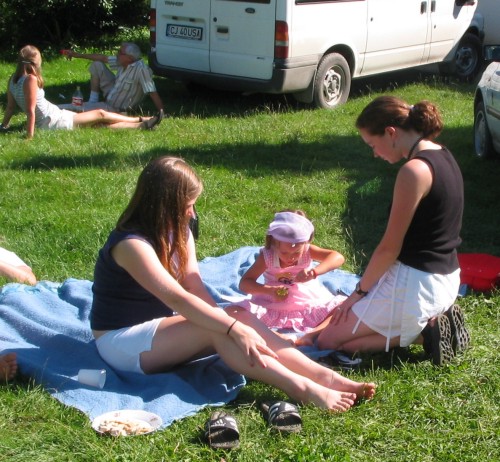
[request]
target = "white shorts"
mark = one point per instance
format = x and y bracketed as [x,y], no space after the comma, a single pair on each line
[64,121]
[404,299]
[122,348]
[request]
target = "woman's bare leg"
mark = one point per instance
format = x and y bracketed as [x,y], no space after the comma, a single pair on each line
[110,119]
[297,362]
[328,392]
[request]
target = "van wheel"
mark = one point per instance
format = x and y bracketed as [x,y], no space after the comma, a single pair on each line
[332,82]
[468,57]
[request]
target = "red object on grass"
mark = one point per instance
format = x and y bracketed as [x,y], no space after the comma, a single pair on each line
[480,271]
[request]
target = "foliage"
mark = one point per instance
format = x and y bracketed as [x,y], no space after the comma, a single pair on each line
[63,22]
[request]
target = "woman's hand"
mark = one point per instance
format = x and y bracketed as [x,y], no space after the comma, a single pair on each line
[251,343]
[339,314]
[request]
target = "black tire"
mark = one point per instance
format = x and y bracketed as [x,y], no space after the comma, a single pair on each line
[332,82]
[468,57]
[483,146]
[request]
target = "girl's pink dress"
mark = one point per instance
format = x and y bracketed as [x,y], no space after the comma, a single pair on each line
[307,304]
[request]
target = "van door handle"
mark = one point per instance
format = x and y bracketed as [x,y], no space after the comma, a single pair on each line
[423,7]
[223,30]
[250,10]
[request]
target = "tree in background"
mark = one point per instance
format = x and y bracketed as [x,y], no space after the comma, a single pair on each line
[60,23]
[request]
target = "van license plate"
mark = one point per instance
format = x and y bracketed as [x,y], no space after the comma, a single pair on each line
[184,32]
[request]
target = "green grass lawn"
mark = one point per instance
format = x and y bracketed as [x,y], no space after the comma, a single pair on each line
[61,193]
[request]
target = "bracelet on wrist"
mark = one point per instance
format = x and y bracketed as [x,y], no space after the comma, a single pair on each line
[231,326]
[360,291]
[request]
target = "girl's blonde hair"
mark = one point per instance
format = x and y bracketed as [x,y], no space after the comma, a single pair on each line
[29,62]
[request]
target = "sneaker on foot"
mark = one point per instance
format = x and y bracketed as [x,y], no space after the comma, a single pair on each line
[460,337]
[442,351]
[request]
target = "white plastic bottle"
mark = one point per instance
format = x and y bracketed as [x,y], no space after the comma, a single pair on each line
[77,99]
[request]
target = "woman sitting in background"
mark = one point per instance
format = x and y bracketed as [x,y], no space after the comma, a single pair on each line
[25,89]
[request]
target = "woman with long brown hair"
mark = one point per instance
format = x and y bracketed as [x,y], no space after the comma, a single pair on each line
[151,311]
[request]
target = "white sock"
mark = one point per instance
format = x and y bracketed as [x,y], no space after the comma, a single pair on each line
[94,97]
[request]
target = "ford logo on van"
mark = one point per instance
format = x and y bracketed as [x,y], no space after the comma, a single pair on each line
[184,32]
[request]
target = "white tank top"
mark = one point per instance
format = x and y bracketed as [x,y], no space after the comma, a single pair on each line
[45,111]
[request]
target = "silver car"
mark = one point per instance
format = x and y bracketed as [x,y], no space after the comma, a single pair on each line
[487,112]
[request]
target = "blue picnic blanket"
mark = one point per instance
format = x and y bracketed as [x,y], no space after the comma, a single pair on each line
[48,326]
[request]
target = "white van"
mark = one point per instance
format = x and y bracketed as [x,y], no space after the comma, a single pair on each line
[309,48]
[488,11]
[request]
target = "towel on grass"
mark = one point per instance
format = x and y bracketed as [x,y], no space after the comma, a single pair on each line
[48,326]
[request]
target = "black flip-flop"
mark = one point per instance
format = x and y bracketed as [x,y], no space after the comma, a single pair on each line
[151,123]
[221,431]
[282,416]
[340,360]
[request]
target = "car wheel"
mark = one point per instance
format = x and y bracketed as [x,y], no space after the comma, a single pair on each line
[332,82]
[468,57]
[483,146]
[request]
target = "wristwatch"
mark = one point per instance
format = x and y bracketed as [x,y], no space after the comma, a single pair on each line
[358,290]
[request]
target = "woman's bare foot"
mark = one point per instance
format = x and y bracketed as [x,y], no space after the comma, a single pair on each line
[366,391]
[335,381]
[331,400]
[8,366]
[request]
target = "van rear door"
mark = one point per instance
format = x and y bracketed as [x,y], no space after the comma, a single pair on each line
[242,37]
[182,34]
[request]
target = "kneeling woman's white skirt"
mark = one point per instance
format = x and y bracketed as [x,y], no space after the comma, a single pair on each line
[404,299]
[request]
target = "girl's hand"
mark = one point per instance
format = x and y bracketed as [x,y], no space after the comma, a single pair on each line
[251,343]
[280,293]
[306,275]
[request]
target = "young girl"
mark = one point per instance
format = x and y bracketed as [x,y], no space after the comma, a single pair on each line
[291,297]
[151,311]
[26,90]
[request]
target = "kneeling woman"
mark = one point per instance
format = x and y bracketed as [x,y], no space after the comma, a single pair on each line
[151,311]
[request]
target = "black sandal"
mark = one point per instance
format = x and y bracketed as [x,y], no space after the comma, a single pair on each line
[221,431]
[151,123]
[282,416]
